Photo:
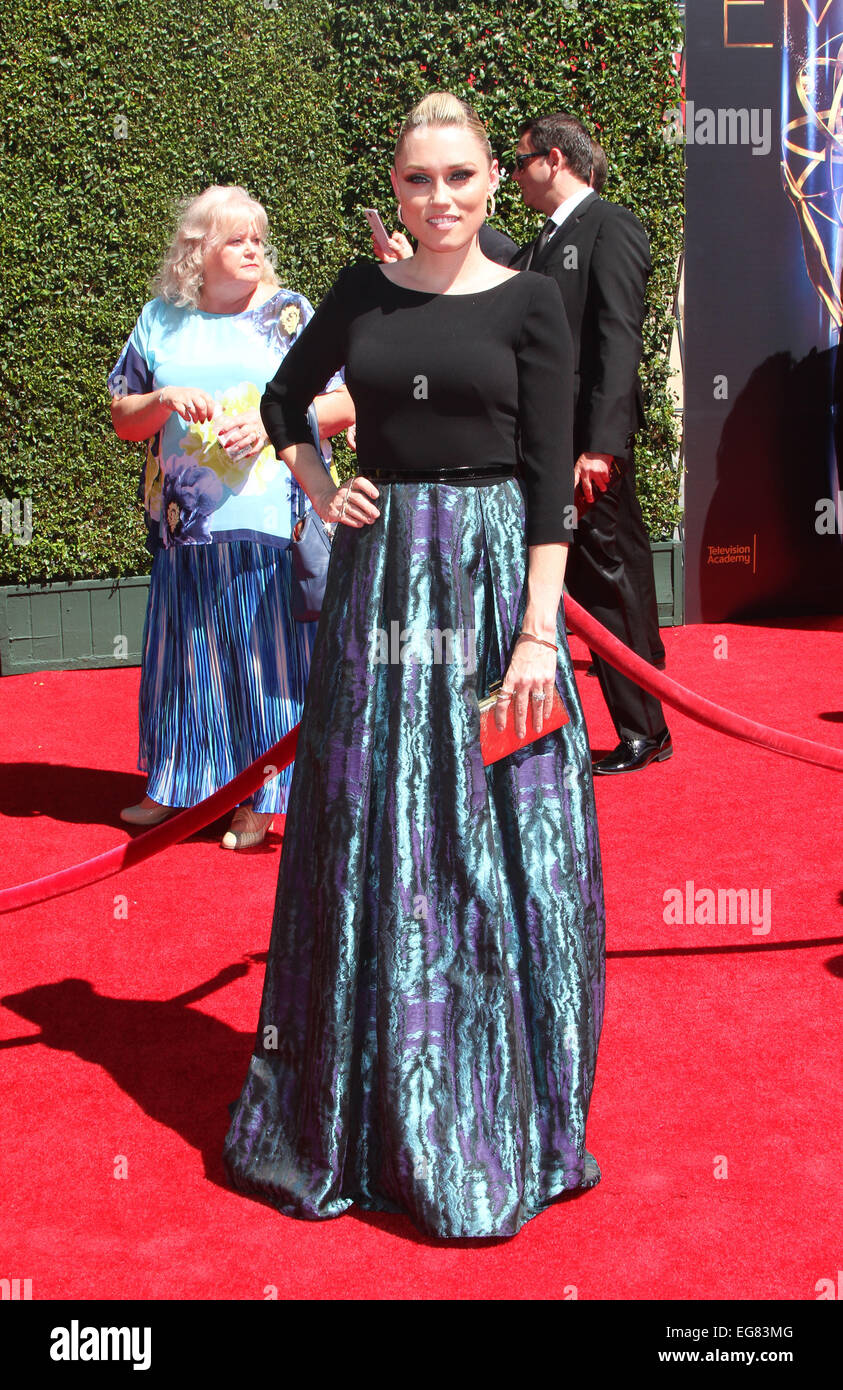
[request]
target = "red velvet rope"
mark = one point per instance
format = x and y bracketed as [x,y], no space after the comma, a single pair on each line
[169,832]
[187,822]
[704,711]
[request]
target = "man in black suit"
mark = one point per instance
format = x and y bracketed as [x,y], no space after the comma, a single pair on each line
[638,535]
[599,255]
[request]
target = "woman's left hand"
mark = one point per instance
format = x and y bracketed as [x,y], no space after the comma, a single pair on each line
[242,436]
[528,684]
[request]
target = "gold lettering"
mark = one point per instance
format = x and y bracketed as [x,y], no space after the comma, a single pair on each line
[732,4]
[818,19]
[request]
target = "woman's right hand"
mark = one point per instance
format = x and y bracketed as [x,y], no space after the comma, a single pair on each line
[189,402]
[348,503]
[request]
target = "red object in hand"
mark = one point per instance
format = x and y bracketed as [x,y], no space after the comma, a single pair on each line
[497,743]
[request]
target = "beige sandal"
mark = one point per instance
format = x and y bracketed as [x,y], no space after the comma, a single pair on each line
[147,812]
[248,828]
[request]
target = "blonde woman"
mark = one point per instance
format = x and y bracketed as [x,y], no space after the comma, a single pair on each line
[434,988]
[224,665]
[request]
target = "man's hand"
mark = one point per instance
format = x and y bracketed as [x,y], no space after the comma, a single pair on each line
[399,248]
[592,471]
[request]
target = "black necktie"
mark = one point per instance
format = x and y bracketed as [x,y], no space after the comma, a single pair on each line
[542,239]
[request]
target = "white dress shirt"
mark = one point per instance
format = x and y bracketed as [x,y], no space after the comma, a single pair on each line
[565,209]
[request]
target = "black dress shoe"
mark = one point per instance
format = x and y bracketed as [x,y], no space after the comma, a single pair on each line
[633,753]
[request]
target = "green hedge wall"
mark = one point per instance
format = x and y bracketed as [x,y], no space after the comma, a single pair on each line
[109,115]
[224,91]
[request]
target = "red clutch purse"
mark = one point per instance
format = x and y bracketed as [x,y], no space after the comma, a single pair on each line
[497,743]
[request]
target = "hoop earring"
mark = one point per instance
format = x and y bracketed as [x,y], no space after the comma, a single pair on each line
[490,198]
[400,214]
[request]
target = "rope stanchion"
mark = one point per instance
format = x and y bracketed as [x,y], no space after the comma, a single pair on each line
[704,711]
[579,622]
[160,837]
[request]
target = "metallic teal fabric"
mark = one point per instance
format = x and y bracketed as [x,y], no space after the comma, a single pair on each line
[434,991]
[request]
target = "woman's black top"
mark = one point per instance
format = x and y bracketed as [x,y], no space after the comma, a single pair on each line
[444,380]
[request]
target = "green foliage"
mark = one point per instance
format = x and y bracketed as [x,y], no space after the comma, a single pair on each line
[300,101]
[227,91]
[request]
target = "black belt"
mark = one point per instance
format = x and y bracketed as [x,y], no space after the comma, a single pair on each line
[486,473]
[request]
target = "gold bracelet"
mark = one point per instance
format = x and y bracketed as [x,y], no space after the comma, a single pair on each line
[533,638]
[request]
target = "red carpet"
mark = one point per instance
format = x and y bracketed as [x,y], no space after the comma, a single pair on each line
[716,1115]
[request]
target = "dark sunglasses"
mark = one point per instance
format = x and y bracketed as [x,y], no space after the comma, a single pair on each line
[520,160]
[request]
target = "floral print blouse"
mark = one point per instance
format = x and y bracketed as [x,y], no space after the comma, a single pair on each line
[193,492]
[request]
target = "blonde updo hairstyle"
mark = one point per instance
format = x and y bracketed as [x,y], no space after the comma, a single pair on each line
[204,222]
[440,109]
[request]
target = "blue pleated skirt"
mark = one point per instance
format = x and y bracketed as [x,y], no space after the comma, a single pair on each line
[223,672]
[433,998]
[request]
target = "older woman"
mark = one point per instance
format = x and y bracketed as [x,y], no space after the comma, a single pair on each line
[224,664]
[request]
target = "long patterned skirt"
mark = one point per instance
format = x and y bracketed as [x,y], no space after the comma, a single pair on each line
[224,670]
[434,991]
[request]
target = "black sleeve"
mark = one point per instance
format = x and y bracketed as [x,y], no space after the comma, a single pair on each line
[620,266]
[316,354]
[545,355]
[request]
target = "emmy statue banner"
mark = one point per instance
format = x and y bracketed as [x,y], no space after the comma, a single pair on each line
[762,123]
